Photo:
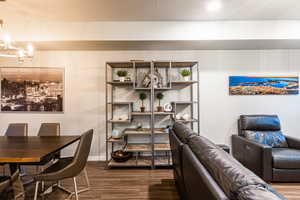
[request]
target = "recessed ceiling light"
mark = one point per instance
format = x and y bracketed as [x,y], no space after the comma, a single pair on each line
[214,6]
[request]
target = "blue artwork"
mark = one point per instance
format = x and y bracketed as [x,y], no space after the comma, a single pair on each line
[263,85]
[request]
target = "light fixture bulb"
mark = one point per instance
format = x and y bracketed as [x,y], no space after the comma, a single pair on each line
[21,53]
[30,50]
[7,40]
[214,5]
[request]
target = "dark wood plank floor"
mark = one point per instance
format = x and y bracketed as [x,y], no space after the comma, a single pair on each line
[136,184]
[121,184]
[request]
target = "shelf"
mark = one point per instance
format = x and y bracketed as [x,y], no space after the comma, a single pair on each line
[183,83]
[141,161]
[114,140]
[145,131]
[157,89]
[163,161]
[117,83]
[162,147]
[120,103]
[149,113]
[186,121]
[146,147]
[183,102]
[138,148]
[175,64]
[119,121]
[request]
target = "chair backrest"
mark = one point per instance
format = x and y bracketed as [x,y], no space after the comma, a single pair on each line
[83,151]
[49,129]
[17,129]
[262,123]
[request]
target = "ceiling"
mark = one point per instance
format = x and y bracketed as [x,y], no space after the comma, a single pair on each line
[148,10]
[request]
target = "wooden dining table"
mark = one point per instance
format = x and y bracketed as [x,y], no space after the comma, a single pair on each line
[31,149]
[18,150]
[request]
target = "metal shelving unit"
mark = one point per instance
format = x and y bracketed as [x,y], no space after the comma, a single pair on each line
[153,153]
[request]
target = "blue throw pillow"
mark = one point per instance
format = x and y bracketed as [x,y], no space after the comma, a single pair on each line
[271,138]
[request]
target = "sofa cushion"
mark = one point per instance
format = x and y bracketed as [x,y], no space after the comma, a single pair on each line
[285,158]
[260,122]
[274,139]
[228,172]
[183,132]
[254,192]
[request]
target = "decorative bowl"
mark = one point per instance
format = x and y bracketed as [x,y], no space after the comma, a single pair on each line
[121,156]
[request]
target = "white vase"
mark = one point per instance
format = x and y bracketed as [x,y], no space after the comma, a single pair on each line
[186,78]
[116,134]
[122,79]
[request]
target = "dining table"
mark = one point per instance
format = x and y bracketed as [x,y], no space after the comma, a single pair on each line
[18,150]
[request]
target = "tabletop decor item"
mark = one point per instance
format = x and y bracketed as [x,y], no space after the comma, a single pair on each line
[160,96]
[168,107]
[143,96]
[32,89]
[263,85]
[116,134]
[185,73]
[121,156]
[157,79]
[122,74]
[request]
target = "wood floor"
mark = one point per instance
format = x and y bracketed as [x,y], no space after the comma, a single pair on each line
[136,184]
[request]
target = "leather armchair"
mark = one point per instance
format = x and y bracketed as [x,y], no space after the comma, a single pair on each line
[271,164]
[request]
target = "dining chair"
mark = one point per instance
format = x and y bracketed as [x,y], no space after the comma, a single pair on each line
[69,167]
[17,129]
[49,129]
[6,186]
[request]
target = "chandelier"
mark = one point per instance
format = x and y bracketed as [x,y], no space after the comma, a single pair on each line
[10,50]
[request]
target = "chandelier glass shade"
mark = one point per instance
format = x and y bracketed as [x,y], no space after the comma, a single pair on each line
[9,49]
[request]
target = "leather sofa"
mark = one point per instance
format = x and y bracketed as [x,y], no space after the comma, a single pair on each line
[203,170]
[280,164]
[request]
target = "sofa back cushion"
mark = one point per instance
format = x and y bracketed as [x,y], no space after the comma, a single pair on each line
[183,132]
[271,138]
[258,123]
[197,180]
[253,192]
[228,172]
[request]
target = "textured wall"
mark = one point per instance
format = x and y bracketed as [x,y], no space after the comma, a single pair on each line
[85,90]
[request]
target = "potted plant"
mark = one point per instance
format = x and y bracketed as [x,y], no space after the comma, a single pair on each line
[185,73]
[159,96]
[122,74]
[143,96]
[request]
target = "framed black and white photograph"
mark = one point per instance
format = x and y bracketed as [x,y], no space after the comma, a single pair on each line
[31,89]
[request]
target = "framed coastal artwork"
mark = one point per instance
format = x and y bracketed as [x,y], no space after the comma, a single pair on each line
[28,89]
[263,85]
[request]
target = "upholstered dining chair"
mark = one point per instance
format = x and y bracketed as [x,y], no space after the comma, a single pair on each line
[68,167]
[17,129]
[6,186]
[46,129]
[49,129]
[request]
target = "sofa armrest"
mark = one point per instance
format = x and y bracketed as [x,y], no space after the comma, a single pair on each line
[254,156]
[293,142]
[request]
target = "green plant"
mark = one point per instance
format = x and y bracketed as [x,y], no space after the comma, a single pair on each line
[185,72]
[159,96]
[143,96]
[122,73]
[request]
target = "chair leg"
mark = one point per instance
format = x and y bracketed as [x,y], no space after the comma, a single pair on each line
[86,178]
[75,188]
[36,190]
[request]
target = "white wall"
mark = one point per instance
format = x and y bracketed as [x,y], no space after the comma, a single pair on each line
[85,90]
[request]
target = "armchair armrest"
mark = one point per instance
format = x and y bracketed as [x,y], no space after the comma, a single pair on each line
[256,157]
[293,142]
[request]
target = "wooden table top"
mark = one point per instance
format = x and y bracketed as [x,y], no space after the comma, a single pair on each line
[31,148]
